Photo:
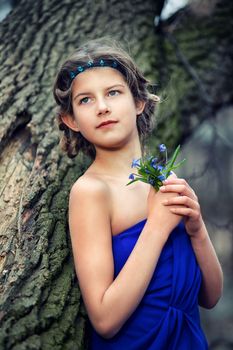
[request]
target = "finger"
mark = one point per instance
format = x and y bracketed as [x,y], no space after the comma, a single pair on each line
[176,180]
[180,181]
[182,200]
[178,188]
[185,212]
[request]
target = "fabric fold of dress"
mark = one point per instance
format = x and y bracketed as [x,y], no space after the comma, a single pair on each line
[167,318]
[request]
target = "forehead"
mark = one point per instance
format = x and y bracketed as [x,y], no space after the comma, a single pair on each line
[98,77]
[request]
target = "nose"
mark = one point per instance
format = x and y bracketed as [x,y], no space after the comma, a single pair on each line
[102,107]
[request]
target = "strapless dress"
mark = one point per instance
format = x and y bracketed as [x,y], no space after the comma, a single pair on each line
[167,318]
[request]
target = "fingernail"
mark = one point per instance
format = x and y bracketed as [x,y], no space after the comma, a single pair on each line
[165,181]
[162,188]
[165,201]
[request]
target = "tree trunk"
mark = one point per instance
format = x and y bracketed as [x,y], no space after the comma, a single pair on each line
[194,65]
[41,305]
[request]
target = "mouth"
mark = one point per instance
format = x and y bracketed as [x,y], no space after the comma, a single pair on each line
[107,122]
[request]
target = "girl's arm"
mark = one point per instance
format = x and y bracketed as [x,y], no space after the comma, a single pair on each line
[189,208]
[212,282]
[110,302]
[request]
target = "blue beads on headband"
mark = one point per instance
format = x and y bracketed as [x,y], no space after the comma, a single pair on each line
[90,64]
[99,63]
[72,75]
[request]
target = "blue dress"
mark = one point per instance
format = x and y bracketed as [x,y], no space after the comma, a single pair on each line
[167,317]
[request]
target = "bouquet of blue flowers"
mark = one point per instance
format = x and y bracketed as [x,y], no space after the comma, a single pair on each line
[154,170]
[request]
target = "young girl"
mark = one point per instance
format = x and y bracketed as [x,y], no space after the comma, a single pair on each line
[142,271]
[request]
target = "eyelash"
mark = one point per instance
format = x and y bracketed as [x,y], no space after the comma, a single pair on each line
[118,92]
[84,98]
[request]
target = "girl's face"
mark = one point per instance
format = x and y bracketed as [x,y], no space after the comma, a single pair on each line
[104,109]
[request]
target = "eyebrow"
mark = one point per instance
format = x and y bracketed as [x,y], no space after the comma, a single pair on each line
[89,93]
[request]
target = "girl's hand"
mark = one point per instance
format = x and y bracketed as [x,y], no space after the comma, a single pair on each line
[159,216]
[184,204]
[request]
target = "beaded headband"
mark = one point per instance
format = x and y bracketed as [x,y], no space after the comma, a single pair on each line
[100,63]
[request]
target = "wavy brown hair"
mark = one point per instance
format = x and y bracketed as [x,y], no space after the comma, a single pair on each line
[72,142]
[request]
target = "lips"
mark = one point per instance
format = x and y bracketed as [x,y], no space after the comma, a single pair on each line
[107,122]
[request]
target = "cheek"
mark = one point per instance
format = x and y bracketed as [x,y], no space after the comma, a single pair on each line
[86,134]
[85,126]
[80,117]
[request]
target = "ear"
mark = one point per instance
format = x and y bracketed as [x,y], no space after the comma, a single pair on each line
[140,105]
[70,122]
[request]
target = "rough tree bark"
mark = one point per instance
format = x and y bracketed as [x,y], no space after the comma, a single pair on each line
[40,299]
[41,307]
[193,66]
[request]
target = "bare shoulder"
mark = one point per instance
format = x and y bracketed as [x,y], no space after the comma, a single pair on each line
[89,184]
[89,188]
[89,202]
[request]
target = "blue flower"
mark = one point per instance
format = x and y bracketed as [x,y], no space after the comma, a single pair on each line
[153,162]
[135,163]
[154,169]
[162,148]
[159,167]
[151,181]
[161,177]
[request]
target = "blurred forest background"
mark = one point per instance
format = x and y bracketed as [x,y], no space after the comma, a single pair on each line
[185,48]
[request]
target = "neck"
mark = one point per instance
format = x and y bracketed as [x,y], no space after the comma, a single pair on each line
[116,162]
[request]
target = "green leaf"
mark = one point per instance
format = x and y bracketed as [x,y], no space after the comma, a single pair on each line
[172,161]
[129,183]
[146,172]
[178,164]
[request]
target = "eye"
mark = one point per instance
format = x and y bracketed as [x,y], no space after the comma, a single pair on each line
[113,92]
[84,101]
